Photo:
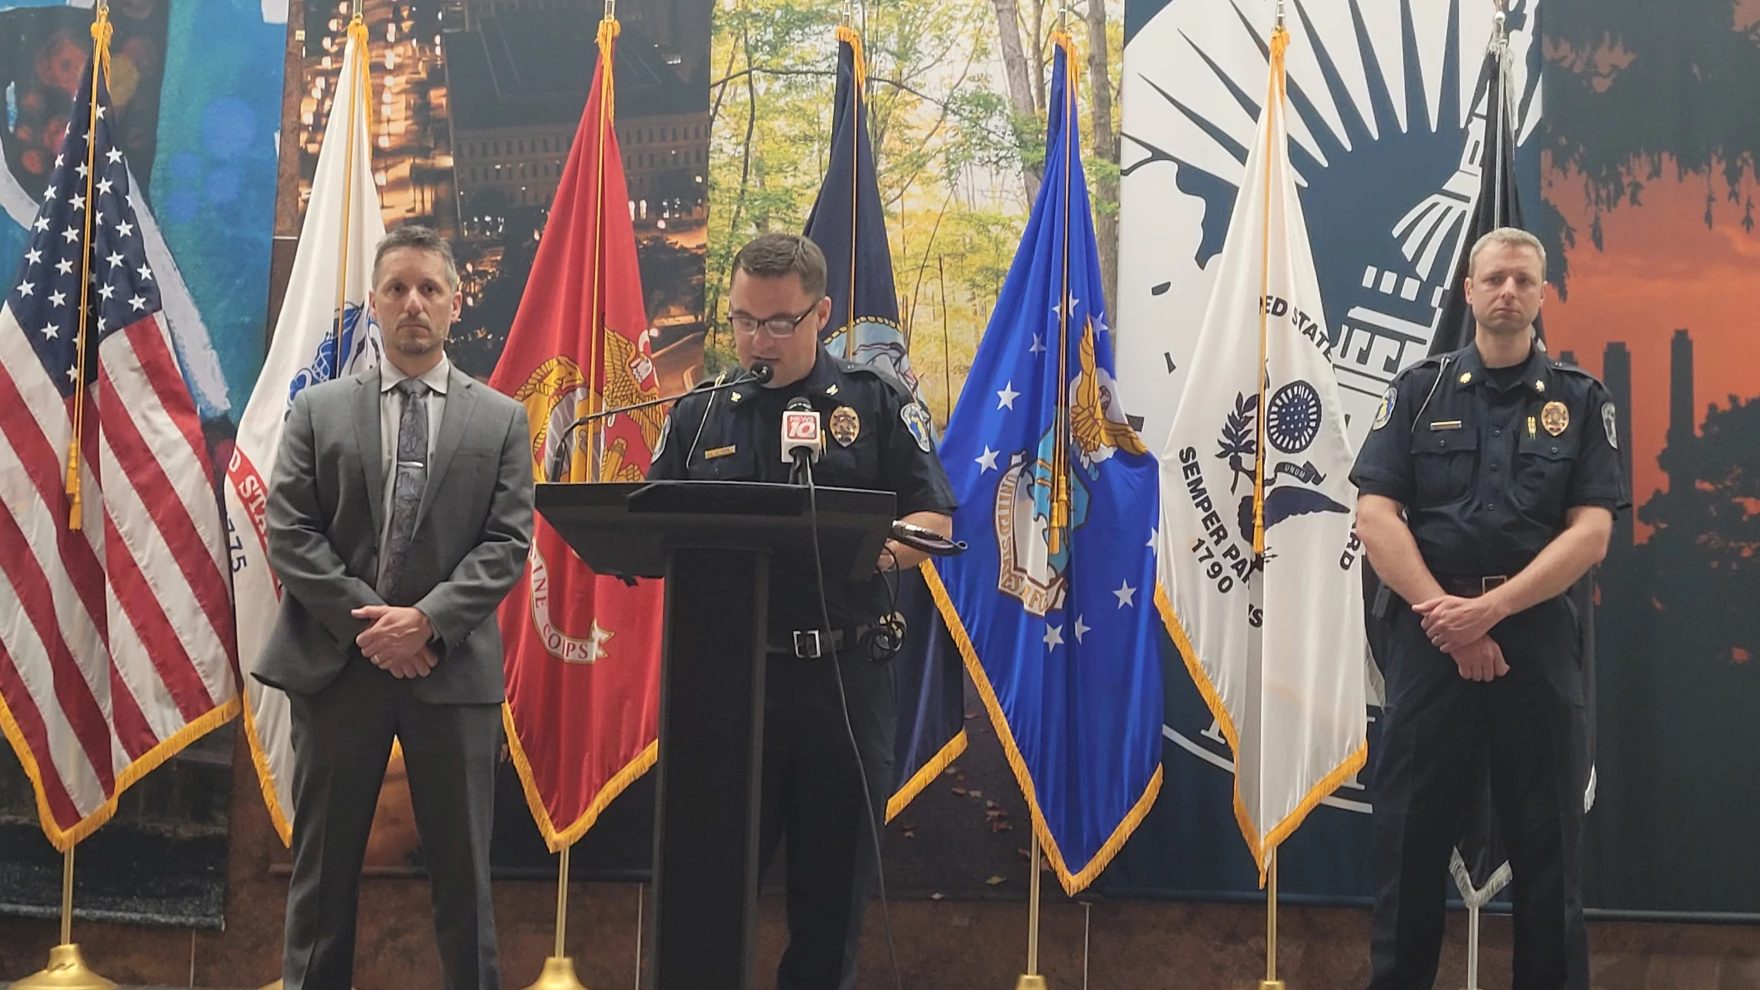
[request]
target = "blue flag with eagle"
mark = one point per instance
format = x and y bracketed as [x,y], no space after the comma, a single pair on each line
[1053,605]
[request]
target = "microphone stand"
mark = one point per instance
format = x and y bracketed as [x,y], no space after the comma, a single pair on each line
[759,373]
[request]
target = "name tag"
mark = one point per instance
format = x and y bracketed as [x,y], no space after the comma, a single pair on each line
[1446,424]
[709,455]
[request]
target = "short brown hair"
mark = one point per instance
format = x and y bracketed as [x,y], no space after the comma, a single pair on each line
[777,255]
[1508,237]
[414,235]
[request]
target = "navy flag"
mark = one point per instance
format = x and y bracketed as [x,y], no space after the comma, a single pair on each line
[849,226]
[1053,605]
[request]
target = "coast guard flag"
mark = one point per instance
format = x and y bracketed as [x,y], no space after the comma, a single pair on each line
[1257,551]
[324,331]
[849,226]
[1053,604]
[116,639]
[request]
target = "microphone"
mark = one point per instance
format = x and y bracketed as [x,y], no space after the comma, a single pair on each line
[759,372]
[802,439]
[925,539]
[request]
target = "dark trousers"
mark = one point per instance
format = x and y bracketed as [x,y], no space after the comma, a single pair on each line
[341,741]
[1531,728]
[812,797]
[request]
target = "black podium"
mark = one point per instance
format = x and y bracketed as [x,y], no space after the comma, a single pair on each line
[717,544]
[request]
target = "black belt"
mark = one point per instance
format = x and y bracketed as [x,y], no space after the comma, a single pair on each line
[813,644]
[1471,587]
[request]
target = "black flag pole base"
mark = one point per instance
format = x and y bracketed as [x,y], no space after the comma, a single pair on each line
[67,970]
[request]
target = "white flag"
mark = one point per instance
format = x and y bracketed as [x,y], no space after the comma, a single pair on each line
[1274,639]
[314,342]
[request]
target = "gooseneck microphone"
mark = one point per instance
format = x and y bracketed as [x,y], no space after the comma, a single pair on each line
[760,372]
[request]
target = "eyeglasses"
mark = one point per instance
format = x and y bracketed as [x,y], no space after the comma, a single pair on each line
[775,326]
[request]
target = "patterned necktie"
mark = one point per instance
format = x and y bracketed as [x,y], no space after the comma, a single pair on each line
[410,474]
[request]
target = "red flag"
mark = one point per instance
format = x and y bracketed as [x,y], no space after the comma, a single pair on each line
[583,651]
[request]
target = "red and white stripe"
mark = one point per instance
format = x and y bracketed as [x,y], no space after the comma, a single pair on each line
[121,648]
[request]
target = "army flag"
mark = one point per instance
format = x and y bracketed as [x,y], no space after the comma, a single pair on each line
[1257,553]
[324,331]
[849,226]
[1052,606]
[583,650]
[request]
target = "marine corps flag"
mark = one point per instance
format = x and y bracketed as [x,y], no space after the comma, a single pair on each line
[324,331]
[583,651]
[849,226]
[1052,604]
[1257,554]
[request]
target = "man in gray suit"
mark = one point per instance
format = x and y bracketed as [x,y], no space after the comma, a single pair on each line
[399,515]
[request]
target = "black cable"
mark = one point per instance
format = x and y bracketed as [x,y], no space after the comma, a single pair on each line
[873,820]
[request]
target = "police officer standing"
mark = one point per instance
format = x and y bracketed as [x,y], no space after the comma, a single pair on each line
[1487,487]
[822,685]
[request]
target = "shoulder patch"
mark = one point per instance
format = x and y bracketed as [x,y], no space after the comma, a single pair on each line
[916,420]
[1384,412]
[660,444]
[1607,426]
[1573,370]
[859,369]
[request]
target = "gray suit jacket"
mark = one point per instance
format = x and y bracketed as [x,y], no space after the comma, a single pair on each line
[326,510]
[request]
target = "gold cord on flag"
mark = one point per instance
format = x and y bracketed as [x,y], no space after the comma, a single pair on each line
[1273,104]
[360,80]
[1059,525]
[598,358]
[101,33]
[853,38]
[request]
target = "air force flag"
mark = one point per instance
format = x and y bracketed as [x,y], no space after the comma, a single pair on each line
[1053,604]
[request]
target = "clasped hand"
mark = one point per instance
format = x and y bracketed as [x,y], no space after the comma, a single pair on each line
[1461,627]
[397,640]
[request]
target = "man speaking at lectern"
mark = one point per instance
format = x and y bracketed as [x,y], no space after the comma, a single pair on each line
[876,436]
[399,517]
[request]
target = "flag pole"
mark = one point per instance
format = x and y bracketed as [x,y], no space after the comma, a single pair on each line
[1279,43]
[1271,982]
[1031,980]
[356,80]
[1495,116]
[558,971]
[67,970]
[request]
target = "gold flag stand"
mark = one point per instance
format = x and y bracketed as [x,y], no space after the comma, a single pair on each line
[1271,982]
[1031,980]
[558,971]
[67,970]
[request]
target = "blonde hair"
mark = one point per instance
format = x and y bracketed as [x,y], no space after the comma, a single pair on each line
[1508,236]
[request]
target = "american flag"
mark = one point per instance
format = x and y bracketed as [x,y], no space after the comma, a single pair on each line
[120,649]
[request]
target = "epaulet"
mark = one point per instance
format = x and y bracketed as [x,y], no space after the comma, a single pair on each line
[1429,365]
[709,382]
[1571,369]
[859,368]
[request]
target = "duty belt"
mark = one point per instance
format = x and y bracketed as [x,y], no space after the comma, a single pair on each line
[1471,587]
[812,644]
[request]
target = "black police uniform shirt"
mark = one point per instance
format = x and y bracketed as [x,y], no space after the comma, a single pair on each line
[1487,461]
[876,436]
